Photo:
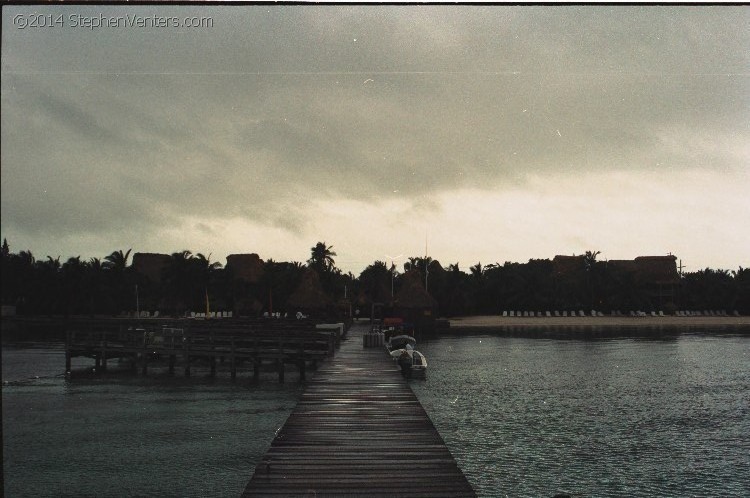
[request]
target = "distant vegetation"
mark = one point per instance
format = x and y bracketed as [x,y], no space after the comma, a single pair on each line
[108,286]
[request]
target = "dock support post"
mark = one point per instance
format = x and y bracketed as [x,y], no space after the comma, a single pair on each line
[144,356]
[256,368]
[213,365]
[171,364]
[97,363]
[232,364]
[302,359]
[186,355]
[280,363]
[103,354]
[68,344]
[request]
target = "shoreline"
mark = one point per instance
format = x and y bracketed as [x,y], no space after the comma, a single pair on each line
[493,322]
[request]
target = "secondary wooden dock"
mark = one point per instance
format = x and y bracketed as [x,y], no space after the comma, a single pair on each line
[236,341]
[358,430]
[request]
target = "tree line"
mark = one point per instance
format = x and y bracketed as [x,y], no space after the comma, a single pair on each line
[189,281]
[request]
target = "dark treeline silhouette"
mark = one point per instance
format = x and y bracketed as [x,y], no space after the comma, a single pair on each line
[187,281]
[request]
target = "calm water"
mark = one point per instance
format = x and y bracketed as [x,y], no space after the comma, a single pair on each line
[126,435]
[522,417]
[528,417]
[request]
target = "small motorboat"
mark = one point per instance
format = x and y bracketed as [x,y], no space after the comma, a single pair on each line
[400,342]
[412,362]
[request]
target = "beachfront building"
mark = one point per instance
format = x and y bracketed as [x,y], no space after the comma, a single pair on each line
[649,283]
[414,304]
[150,265]
[309,297]
[245,272]
[246,267]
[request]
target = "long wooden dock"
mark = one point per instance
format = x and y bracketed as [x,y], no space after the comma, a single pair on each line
[358,430]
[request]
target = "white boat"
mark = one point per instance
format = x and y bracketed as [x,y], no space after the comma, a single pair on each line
[412,362]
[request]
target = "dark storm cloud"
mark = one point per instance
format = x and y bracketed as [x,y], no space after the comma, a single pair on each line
[276,106]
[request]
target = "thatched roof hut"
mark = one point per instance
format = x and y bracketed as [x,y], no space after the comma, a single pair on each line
[150,265]
[247,267]
[657,270]
[563,266]
[309,295]
[413,294]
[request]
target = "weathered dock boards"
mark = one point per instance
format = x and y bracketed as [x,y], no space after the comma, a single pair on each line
[236,341]
[358,430]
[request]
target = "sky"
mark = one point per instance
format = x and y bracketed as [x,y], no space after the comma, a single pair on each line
[468,133]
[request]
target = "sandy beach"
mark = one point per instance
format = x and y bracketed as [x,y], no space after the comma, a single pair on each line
[492,321]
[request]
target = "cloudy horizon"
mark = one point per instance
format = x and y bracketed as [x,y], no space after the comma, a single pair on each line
[481,133]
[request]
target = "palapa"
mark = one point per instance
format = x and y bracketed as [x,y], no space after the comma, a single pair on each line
[309,295]
[413,294]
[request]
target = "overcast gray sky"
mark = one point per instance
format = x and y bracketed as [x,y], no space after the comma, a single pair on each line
[491,133]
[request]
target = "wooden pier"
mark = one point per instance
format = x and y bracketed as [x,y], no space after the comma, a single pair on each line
[184,342]
[358,430]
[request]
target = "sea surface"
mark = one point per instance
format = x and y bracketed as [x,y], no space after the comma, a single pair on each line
[606,418]
[129,435]
[523,417]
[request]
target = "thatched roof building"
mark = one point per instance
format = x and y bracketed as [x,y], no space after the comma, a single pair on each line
[658,270]
[622,265]
[567,265]
[309,295]
[247,267]
[413,294]
[151,265]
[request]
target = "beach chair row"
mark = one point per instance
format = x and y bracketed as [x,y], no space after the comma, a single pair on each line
[140,314]
[550,314]
[579,313]
[212,314]
[707,313]
[614,313]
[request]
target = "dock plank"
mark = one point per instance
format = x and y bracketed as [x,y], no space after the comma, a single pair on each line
[358,430]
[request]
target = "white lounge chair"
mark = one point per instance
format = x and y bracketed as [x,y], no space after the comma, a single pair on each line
[505,313]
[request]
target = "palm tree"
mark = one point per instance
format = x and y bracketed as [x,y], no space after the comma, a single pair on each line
[589,260]
[321,257]
[73,285]
[204,270]
[477,271]
[179,282]
[95,284]
[117,261]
